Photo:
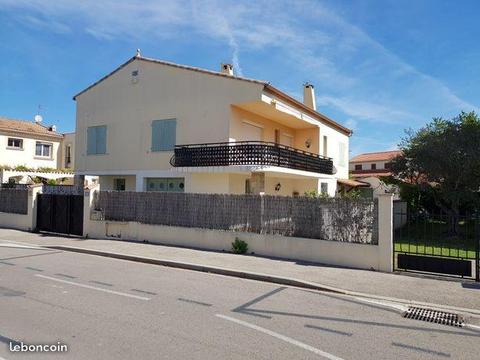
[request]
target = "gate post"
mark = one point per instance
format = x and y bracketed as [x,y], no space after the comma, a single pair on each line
[88,198]
[32,204]
[477,249]
[385,232]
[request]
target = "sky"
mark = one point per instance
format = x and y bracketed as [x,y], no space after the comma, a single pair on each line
[378,66]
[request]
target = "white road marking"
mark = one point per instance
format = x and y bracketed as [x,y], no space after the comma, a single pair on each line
[93,287]
[12,244]
[281,337]
[387,304]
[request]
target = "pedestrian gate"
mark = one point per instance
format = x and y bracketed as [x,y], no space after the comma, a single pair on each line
[60,213]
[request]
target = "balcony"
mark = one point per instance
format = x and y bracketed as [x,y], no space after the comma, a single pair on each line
[250,153]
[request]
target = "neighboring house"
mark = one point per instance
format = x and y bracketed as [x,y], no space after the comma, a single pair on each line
[152,125]
[28,147]
[370,167]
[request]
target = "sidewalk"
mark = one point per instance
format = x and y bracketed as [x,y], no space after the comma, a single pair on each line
[446,292]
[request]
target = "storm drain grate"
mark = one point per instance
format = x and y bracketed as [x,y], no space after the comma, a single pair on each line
[434,316]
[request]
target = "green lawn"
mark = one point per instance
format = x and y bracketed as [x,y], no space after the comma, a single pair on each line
[431,249]
[429,237]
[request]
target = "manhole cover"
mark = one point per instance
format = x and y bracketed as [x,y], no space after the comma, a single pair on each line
[434,316]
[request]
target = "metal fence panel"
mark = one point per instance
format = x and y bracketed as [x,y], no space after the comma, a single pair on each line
[14,201]
[348,220]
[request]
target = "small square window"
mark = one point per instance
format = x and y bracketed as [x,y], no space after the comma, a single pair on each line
[358,167]
[374,166]
[43,150]
[14,143]
[324,188]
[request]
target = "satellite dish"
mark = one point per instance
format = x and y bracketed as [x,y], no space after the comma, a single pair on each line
[38,119]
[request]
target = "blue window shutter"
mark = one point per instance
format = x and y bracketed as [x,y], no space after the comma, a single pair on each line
[91,141]
[101,139]
[164,134]
[96,140]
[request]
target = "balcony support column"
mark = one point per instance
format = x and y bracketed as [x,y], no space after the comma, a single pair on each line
[257,183]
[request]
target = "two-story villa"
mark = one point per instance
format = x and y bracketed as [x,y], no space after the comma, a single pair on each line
[152,125]
[31,147]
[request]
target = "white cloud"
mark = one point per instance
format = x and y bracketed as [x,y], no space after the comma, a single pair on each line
[352,72]
[48,24]
[367,110]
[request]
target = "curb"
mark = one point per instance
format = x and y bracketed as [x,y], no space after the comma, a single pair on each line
[203,268]
[259,277]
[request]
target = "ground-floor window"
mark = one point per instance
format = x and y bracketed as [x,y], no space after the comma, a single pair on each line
[248,188]
[324,188]
[119,184]
[166,184]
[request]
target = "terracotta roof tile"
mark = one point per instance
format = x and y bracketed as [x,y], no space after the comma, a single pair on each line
[27,128]
[376,156]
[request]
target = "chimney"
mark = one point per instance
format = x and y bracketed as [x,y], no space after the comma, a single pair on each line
[309,96]
[227,69]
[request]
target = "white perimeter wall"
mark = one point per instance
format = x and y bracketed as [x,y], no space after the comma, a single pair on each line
[377,257]
[27,222]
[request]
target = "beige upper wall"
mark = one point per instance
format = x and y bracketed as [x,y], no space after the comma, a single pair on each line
[200,103]
[26,156]
[204,106]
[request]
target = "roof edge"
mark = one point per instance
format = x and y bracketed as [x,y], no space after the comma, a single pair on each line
[172,64]
[323,118]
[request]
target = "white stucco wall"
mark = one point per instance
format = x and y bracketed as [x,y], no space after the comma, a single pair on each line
[378,257]
[25,222]
[26,156]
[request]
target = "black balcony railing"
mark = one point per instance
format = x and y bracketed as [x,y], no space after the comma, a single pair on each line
[250,153]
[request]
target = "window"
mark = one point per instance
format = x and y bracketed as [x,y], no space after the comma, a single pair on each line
[97,140]
[373,166]
[166,184]
[119,184]
[68,155]
[324,188]
[15,143]
[43,149]
[342,154]
[388,165]
[164,134]
[248,187]
[358,167]
[325,146]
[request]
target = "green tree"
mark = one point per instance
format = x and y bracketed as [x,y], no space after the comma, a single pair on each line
[443,160]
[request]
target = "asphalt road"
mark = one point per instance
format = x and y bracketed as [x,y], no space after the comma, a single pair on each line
[113,309]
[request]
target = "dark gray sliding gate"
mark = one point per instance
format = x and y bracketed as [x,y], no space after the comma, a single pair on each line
[60,213]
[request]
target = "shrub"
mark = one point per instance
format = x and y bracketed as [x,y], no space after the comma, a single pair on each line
[239,246]
[314,194]
[22,168]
